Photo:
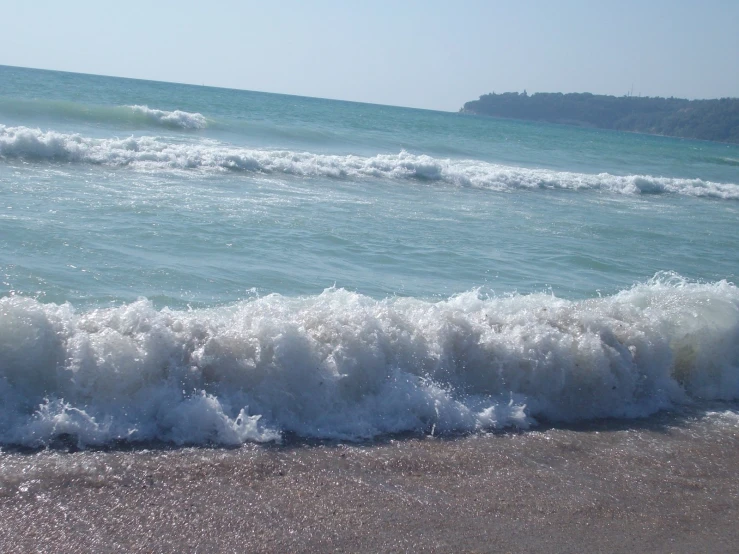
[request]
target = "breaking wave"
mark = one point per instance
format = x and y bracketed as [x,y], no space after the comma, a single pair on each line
[177,118]
[156,153]
[134,116]
[343,365]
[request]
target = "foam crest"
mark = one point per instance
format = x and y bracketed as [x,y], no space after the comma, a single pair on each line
[156,154]
[343,365]
[177,118]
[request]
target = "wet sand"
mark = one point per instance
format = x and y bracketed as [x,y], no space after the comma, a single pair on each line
[663,486]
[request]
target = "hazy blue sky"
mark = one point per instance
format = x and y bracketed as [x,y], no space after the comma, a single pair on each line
[429,54]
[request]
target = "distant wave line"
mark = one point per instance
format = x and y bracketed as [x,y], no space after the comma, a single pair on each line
[127,114]
[156,154]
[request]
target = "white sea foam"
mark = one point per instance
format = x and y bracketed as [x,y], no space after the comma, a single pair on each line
[156,153]
[177,118]
[344,365]
[724,418]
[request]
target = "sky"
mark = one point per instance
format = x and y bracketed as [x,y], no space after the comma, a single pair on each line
[427,54]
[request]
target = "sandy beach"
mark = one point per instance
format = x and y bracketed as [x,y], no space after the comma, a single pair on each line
[663,486]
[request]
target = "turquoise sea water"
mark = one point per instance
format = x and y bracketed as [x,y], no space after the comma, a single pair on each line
[197,264]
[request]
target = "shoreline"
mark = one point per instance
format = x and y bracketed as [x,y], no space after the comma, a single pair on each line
[661,485]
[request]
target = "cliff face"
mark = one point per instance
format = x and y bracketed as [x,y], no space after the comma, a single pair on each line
[702,119]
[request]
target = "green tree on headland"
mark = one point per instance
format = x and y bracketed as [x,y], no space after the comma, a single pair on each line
[716,120]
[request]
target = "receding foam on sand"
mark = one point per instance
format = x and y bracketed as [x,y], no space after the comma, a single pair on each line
[666,484]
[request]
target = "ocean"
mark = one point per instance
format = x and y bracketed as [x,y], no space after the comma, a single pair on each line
[191,269]
[201,265]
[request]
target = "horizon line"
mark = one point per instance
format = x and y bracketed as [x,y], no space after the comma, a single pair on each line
[225,88]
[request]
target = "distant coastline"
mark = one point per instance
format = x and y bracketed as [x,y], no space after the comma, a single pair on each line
[715,120]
